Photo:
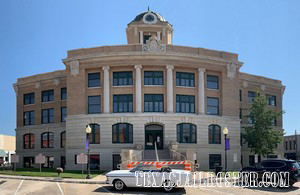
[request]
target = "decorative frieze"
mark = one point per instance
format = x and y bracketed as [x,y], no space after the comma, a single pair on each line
[154,45]
[245,84]
[56,81]
[263,87]
[37,85]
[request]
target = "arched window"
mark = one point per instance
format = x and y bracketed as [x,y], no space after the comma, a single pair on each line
[122,133]
[186,133]
[28,141]
[63,139]
[214,134]
[47,140]
[95,134]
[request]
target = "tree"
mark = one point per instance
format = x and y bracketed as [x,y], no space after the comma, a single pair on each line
[262,137]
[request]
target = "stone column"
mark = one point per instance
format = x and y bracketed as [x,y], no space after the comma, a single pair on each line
[141,37]
[170,104]
[106,94]
[158,35]
[138,88]
[201,89]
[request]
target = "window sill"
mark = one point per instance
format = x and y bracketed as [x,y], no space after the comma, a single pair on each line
[189,87]
[153,85]
[48,102]
[217,90]
[93,87]
[29,104]
[122,86]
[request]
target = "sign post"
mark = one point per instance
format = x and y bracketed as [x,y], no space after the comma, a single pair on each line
[40,159]
[14,159]
[82,159]
[235,159]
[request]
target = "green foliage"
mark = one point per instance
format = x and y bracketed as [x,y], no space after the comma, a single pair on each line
[262,137]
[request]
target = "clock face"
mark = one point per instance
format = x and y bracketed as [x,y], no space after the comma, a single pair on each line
[150,18]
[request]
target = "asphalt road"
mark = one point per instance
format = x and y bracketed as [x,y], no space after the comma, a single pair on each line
[22,187]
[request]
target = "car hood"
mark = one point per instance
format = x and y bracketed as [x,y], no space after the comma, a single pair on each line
[118,173]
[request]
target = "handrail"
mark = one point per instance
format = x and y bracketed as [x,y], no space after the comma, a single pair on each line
[136,154]
[177,152]
[157,159]
[127,161]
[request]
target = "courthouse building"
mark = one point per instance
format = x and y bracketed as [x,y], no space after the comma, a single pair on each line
[135,95]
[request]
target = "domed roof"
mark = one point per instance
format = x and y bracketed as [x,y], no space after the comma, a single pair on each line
[141,15]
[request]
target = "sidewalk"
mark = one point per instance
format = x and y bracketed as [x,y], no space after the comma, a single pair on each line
[100,179]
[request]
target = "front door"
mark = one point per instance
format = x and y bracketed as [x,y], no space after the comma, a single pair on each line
[154,134]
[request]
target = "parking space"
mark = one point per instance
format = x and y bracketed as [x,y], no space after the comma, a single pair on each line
[22,187]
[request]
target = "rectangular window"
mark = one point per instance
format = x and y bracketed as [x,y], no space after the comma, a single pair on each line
[153,78]
[63,114]
[153,103]
[94,106]
[146,38]
[122,78]
[212,106]
[94,162]
[251,96]
[274,122]
[48,96]
[271,100]
[63,93]
[286,145]
[28,162]
[250,120]
[49,162]
[212,82]
[290,145]
[29,118]
[29,98]
[48,116]
[185,103]
[123,103]
[295,145]
[185,79]
[241,96]
[94,79]
[214,160]
[241,113]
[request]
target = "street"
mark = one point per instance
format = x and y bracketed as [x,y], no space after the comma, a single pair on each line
[22,187]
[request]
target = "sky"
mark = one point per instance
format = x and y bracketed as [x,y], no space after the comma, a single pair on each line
[36,35]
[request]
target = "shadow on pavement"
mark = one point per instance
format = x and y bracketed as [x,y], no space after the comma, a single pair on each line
[272,189]
[110,189]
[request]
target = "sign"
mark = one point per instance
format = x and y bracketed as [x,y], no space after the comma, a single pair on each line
[194,156]
[256,158]
[82,158]
[14,158]
[227,144]
[40,159]
[235,157]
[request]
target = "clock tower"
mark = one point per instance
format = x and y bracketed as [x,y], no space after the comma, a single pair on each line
[149,24]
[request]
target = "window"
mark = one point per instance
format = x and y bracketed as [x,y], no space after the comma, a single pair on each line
[28,141]
[63,114]
[122,78]
[28,162]
[63,93]
[250,120]
[185,103]
[47,116]
[286,145]
[241,96]
[214,160]
[47,140]
[29,118]
[153,103]
[241,114]
[123,103]
[94,162]
[251,96]
[63,139]
[153,78]
[146,38]
[212,106]
[271,100]
[29,98]
[214,134]
[94,80]
[48,95]
[186,133]
[122,133]
[185,79]
[212,82]
[290,145]
[274,122]
[94,137]
[295,145]
[94,104]
[49,162]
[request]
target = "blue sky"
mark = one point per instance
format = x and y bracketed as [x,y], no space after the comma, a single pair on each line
[35,36]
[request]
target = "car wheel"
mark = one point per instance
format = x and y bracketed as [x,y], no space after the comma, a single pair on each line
[168,186]
[119,185]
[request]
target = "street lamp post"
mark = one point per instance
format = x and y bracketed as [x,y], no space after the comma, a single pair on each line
[88,131]
[225,132]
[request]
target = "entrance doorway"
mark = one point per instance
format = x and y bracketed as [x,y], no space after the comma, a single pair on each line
[154,133]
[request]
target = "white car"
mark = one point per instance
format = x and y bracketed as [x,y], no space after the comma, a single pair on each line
[165,178]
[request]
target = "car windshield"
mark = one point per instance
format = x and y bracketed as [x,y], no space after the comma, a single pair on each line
[296,165]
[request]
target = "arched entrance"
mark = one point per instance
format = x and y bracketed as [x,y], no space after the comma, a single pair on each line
[154,133]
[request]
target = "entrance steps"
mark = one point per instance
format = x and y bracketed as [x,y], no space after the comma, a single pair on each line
[163,155]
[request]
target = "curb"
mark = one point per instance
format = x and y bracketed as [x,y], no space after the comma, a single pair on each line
[80,181]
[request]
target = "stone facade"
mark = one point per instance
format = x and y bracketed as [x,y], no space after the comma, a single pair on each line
[149,48]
